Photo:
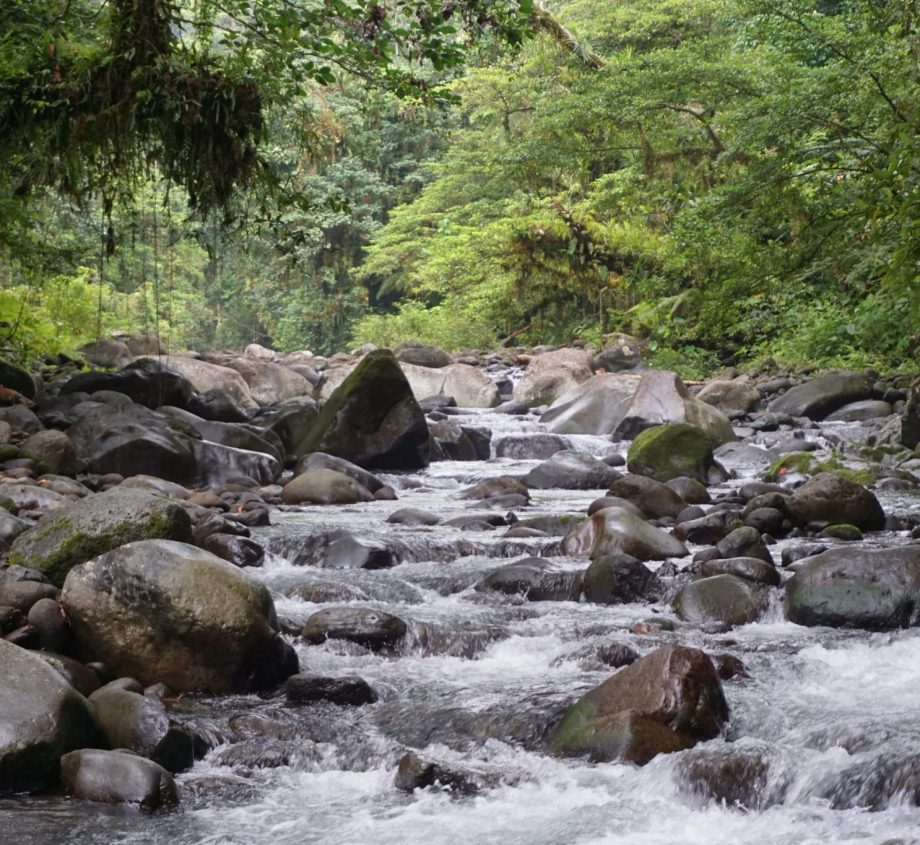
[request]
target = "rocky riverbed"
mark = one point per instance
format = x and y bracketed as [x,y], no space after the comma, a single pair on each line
[312,600]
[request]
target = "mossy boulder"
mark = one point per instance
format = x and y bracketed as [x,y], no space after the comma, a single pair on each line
[166,612]
[85,529]
[853,587]
[666,701]
[372,419]
[671,451]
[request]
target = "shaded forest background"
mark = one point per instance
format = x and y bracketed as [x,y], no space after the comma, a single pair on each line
[737,181]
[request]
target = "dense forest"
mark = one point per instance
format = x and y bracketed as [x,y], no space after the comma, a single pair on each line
[736,181]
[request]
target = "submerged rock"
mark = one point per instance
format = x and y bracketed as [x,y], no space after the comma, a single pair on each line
[723,599]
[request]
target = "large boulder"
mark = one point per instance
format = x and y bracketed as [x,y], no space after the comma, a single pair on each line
[372,419]
[216,464]
[654,499]
[821,396]
[829,497]
[290,421]
[730,395]
[569,470]
[146,382]
[621,352]
[666,701]
[96,524]
[662,397]
[16,378]
[671,451]
[132,440]
[614,531]
[595,406]
[723,599]
[162,611]
[235,435]
[534,578]
[205,377]
[852,587]
[910,418]
[373,629]
[422,356]
[42,718]
[268,383]
[118,777]
[470,387]
[552,374]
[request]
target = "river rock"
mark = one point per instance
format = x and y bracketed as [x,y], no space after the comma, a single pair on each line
[17,378]
[324,487]
[723,599]
[850,587]
[23,594]
[730,395]
[269,383]
[530,447]
[750,569]
[450,443]
[909,435]
[533,578]
[867,409]
[821,396]
[290,421]
[140,724]
[614,531]
[43,718]
[308,689]
[671,451]
[734,775]
[145,382]
[132,441]
[99,523]
[621,352]
[162,611]
[422,355]
[47,618]
[52,452]
[413,516]
[240,551]
[205,377]
[469,386]
[372,629]
[619,579]
[661,397]
[569,470]
[829,497]
[217,465]
[118,777]
[372,419]
[552,374]
[319,460]
[235,435]
[218,406]
[596,406]
[492,488]
[21,419]
[666,701]
[417,772]
[654,499]
[744,542]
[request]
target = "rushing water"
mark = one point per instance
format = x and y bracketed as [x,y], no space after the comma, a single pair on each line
[480,678]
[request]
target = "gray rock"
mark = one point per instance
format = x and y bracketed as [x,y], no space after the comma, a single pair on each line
[596,406]
[52,451]
[821,396]
[117,777]
[530,447]
[145,382]
[749,568]
[324,487]
[851,587]
[161,611]
[616,531]
[308,689]
[654,499]
[867,409]
[373,629]
[568,470]
[43,718]
[533,578]
[552,374]
[723,599]
[730,395]
[744,542]
[828,497]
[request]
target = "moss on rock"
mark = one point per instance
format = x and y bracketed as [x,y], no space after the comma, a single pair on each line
[671,451]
